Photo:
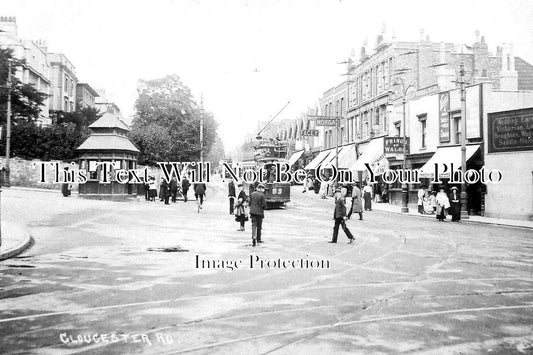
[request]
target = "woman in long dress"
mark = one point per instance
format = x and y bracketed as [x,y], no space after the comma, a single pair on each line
[442,204]
[240,208]
[367,195]
[455,205]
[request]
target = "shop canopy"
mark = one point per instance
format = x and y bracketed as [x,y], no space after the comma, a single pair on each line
[318,159]
[446,155]
[372,153]
[347,156]
[294,157]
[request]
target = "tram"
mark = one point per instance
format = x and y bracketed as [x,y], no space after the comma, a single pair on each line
[268,152]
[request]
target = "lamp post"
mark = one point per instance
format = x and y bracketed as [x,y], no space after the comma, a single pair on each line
[464,194]
[405,190]
[7,181]
[405,187]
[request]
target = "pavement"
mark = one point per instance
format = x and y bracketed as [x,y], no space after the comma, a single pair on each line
[15,240]
[413,211]
[123,278]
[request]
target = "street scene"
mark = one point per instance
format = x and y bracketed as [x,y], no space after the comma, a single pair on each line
[250,177]
[416,287]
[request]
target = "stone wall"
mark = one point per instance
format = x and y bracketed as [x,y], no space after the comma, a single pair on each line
[24,174]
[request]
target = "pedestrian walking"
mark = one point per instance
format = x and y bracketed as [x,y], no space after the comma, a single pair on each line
[420,203]
[241,214]
[173,188]
[185,184]
[152,190]
[164,191]
[455,205]
[357,203]
[339,215]
[257,208]
[442,204]
[231,195]
[367,195]
[199,194]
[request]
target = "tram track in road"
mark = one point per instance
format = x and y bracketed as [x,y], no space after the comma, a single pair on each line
[377,301]
[361,306]
[348,323]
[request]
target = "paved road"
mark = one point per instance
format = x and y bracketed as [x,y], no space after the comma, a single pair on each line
[408,285]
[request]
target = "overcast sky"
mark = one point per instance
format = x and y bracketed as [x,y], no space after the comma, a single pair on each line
[249,57]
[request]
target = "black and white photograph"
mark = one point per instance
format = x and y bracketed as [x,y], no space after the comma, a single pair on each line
[266,177]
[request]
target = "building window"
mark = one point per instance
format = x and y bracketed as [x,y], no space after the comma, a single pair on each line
[423,120]
[398,128]
[457,129]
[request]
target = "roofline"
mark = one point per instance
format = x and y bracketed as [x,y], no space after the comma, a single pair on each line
[89,88]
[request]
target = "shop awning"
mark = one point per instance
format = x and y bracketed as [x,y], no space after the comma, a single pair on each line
[347,156]
[448,156]
[330,158]
[318,159]
[295,156]
[373,151]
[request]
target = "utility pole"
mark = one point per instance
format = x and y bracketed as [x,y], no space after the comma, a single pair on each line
[202,128]
[405,191]
[7,181]
[464,194]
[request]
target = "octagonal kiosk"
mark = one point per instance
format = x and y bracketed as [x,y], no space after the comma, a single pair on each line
[107,143]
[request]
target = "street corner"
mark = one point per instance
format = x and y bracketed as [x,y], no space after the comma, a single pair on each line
[15,240]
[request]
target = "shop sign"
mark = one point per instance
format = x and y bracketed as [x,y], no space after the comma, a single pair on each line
[444,117]
[393,147]
[510,131]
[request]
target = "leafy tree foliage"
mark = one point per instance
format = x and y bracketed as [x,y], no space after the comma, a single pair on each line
[166,126]
[25,99]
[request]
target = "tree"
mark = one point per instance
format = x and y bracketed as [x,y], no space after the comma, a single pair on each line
[166,126]
[26,101]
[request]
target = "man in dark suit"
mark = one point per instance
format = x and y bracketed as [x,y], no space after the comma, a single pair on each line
[257,207]
[164,191]
[231,195]
[199,192]
[339,216]
[173,188]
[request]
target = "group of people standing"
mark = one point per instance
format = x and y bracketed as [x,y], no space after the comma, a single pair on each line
[241,205]
[440,203]
[170,190]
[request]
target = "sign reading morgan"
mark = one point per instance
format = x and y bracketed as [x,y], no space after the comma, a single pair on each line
[510,131]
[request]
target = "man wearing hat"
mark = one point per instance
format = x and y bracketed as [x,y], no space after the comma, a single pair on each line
[339,215]
[257,207]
